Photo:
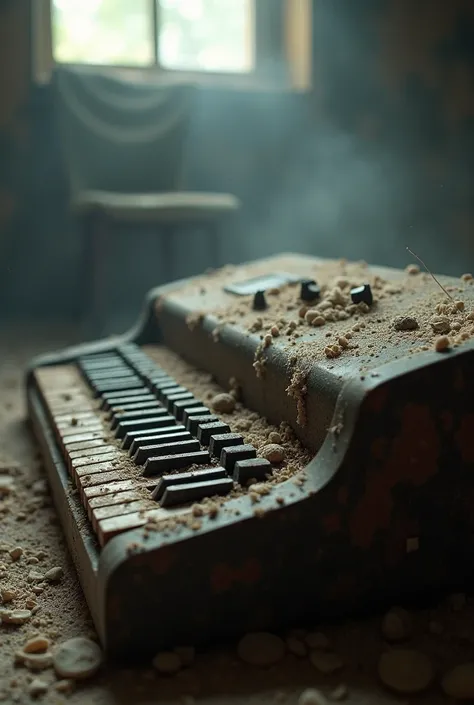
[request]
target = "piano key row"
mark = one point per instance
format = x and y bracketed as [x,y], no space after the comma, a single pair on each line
[149,445]
[145,418]
[174,403]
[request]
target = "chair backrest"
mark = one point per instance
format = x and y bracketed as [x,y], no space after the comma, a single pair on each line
[121,136]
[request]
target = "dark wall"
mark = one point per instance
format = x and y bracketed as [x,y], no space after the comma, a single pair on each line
[377,158]
[398,92]
[14,134]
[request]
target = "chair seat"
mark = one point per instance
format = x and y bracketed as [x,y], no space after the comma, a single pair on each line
[170,208]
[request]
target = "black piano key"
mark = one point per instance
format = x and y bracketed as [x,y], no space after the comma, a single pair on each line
[99,362]
[231,454]
[118,386]
[194,411]
[146,438]
[176,447]
[182,396]
[141,360]
[184,478]
[113,399]
[94,357]
[252,469]
[129,348]
[133,436]
[222,440]
[165,463]
[147,403]
[143,424]
[102,384]
[195,491]
[163,378]
[181,404]
[108,372]
[163,383]
[206,430]
[165,394]
[151,367]
[121,393]
[110,378]
[99,368]
[157,372]
[136,357]
[118,418]
[193,422]
[141,451]
[146,373]
[113,373]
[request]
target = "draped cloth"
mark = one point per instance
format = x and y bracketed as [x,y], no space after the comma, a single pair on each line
[122,136]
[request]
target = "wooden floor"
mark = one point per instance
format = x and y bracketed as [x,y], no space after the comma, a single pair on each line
[28,521]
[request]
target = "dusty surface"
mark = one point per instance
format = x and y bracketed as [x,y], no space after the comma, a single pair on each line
[409,310]
[54,608]
[410,314]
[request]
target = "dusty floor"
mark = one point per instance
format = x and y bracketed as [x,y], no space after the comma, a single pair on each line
[28,520]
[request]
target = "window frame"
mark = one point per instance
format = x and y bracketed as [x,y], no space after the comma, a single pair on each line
[282,39]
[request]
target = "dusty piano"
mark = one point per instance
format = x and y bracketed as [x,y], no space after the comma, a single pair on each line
[336,473]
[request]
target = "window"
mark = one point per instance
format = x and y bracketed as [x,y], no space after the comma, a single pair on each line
[239,38]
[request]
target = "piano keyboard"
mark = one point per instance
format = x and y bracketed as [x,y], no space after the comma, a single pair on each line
[370,504]
[138,446]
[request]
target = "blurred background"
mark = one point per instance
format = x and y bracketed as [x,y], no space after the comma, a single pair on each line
[333,128]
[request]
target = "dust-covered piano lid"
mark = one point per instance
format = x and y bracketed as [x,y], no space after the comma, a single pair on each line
[288,437]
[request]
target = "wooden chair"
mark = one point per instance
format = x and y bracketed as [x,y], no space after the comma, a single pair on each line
[123,147]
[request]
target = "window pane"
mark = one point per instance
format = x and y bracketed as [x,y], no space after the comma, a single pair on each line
[103,32]
[207,35]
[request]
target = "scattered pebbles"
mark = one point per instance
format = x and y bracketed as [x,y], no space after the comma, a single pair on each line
[326,661]
[261,649]
[35,577]
[396,625]
[317,640]
[296,646]
[38,644]
[187,654]
[458,683]
[223,403]
[37,687]
[339,693]
[15,616]
[35,662]
[54,575]
[77,658]
[405,671]
[7,485]
[273,452]
[405,323]
[442,343]
[16,553]
[311,696]
[167,662]
[440,324]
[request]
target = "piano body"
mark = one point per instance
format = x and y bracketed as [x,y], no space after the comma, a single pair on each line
[342,481]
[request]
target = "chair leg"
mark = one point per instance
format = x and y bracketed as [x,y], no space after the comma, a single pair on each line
[215,246]
[95,256]
[168,268]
